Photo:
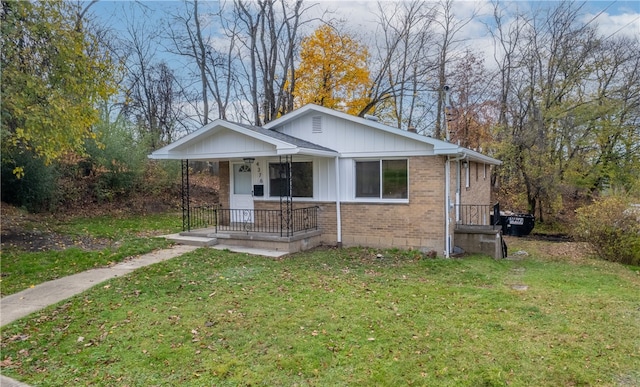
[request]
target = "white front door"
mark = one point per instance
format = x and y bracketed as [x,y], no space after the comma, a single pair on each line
[241,194]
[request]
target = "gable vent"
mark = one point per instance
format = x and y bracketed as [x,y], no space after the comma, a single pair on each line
[316,124]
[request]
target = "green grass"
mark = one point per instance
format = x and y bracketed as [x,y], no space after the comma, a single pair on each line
[121,227]
[127,236]
[340,317]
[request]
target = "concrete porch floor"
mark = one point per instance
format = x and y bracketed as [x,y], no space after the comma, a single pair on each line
[273,243]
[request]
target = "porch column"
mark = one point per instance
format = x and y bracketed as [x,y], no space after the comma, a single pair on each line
[184,193]
[286,198]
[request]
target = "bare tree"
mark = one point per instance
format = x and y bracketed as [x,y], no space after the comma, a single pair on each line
[252,67]
[564,122]
[152,92]
[213,68]
[402,60]
[270,39]
[450,27]
[472,114]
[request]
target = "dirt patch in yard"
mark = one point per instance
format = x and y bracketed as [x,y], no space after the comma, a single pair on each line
[30,232]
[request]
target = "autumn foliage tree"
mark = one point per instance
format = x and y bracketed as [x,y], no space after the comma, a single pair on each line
[333,71]
[53,75]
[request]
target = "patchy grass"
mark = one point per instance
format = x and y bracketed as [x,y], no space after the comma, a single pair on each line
[40,252]
[122,227]
[340,317]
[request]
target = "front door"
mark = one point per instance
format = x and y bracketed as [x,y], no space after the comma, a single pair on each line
[241,196]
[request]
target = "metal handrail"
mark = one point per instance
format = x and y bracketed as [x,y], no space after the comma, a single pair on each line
[254,221]
[477,214]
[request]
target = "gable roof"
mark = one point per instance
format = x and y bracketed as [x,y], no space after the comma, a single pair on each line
[440,147]
[257,142]
[223,139]
[287,138]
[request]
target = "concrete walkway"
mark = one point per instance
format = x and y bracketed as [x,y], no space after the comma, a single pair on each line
[18,305]
[22,304]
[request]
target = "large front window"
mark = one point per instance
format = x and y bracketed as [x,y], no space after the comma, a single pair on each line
[301,179]
[382,179]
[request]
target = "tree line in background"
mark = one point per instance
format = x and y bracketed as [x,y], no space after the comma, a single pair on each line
[558,102]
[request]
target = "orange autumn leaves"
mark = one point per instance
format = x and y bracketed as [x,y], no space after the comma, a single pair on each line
[333,72]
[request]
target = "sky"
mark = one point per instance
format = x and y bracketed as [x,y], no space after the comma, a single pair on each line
[611,17]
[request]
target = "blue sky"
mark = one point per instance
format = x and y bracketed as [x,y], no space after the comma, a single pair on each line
[612,17]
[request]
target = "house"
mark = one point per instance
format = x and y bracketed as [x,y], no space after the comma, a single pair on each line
[318,176]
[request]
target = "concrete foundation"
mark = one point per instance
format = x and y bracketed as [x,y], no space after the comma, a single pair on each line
[292,244]
[480,239]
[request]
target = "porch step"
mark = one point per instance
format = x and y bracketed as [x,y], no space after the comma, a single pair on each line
[209,241]
[191,240]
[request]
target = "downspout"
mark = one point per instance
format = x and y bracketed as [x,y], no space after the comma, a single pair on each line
[447,202]
[447,178]
[338,216]
[458,184]
[447,183]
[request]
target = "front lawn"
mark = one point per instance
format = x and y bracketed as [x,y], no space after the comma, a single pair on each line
[340,317]
[43,249]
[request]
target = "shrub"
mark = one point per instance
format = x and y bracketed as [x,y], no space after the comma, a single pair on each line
[116,159]
[36,190]
[611,226]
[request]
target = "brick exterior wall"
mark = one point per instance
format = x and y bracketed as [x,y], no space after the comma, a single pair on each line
[224,180]
[419,224]
[326,216]
[479,190]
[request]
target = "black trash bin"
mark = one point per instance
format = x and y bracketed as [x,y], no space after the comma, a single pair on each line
[517,224]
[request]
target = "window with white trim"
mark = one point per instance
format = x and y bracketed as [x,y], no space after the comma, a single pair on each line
[382,179]
[301,179]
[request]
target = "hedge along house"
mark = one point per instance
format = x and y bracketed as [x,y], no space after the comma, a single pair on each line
[318,176]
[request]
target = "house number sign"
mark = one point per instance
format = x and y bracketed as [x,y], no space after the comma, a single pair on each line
[259,172]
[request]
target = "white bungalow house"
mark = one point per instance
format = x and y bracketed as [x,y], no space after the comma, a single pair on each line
[319,176]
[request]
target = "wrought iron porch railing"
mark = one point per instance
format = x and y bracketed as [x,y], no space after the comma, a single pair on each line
[254,221]
[478,214]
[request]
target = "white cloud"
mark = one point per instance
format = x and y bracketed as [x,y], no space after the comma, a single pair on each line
[625,24]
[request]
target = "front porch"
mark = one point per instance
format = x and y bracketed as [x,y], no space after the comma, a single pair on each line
[280,230]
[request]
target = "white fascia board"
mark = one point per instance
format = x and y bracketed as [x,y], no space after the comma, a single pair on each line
[440,147]
[207,156]
[362,121]
[164,152]
[162,156]
[469,154]
[355,155]
[477,156]
[294,114]
[170,151]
